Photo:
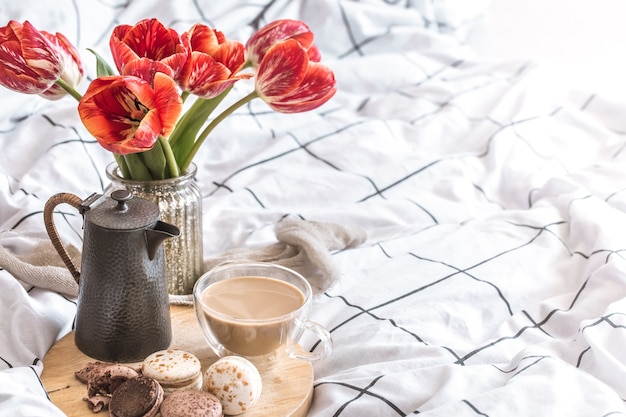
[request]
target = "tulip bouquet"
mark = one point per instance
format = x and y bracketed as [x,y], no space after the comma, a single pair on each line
[137,112]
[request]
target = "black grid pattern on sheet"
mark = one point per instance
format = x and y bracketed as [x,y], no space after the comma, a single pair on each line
[480,275]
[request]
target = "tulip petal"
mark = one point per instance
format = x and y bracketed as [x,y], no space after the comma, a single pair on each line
[314,54]
[144,136]
[39,53]
[318,86]
[122,54]
[167,102]
[146,69]
[202,39]
[275,32]
[232,55]
[282,69]
[15,74]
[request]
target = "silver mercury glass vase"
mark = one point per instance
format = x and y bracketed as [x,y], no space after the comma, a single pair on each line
[180,204]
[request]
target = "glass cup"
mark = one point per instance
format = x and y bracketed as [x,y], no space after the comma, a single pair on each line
[258,311]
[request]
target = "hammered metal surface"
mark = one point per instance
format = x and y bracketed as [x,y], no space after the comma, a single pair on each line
[133,213]
[123,306]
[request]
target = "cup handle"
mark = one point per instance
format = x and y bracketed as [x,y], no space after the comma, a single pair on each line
[326,342]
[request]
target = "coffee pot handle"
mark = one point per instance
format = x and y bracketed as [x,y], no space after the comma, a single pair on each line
[48,219]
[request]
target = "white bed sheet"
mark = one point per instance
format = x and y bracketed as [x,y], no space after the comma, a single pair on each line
[581,40]
[493,278]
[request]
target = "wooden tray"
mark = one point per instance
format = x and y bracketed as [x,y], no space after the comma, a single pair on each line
[287,386]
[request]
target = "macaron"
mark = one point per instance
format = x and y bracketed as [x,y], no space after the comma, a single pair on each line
[174,369]
[136,397]
[102,379]
[191,403]
[235,381]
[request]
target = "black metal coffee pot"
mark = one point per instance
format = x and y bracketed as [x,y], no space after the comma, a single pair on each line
[123,306]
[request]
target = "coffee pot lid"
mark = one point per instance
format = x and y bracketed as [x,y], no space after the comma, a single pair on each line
[122,211]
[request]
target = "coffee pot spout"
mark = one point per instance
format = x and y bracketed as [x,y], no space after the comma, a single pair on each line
[156,236]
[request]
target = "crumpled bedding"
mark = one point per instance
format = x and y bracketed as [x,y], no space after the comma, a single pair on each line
[493,278]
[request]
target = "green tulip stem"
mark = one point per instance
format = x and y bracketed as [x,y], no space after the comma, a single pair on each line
[203,135]
[169,157]
[137,169]
[121,164]
[69,89]
[187,128]
[194,116]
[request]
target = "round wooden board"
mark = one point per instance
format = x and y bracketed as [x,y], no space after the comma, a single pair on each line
[287,386]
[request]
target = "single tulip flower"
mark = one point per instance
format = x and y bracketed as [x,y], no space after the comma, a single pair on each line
[150,39]
[289,82]
[32,61]
[213,63]
[72,70]
[127,115]
[277,31]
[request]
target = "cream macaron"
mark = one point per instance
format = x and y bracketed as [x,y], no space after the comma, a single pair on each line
[174,369]
[235,381]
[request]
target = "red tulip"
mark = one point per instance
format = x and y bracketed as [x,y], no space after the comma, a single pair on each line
[213,62]
[31,61]
[149,39]
[278,31]
[126,114]
[72,70]
[289,82]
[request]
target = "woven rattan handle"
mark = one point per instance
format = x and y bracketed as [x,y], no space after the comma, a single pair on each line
[48,219]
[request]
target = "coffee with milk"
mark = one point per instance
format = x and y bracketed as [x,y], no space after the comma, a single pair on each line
[251,315]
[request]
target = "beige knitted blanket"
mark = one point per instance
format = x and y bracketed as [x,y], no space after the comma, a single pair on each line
[305,246]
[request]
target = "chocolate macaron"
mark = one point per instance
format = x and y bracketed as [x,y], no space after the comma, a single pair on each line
[136,397]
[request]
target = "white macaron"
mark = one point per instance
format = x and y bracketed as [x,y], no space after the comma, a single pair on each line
[235,381]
